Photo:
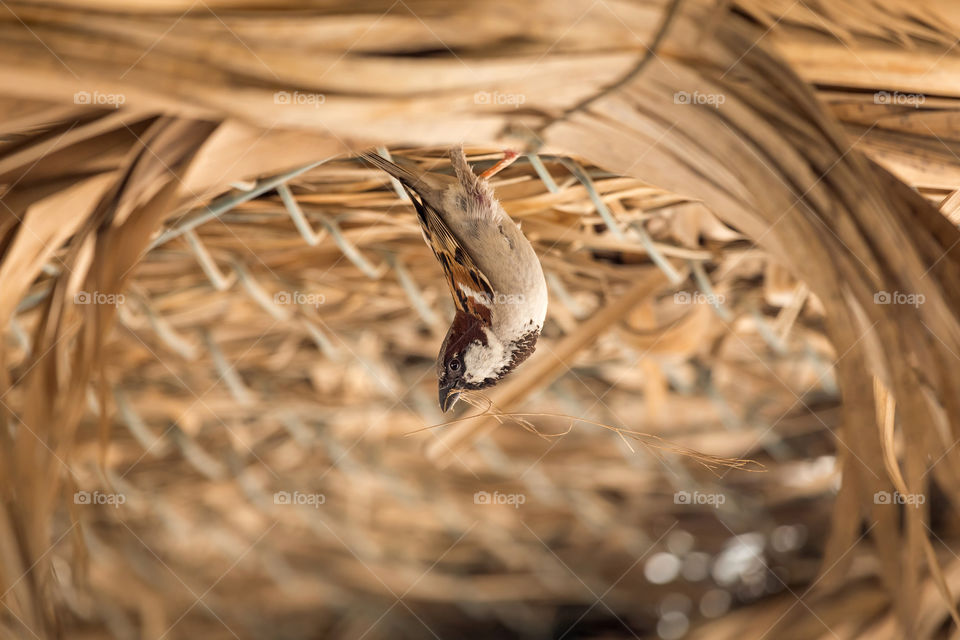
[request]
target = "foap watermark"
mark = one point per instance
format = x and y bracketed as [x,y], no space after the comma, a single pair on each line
[904,99]
[485,497]
[897,297]
[912,499]
[98,497]
[299,97]
[95,297]
[712,99]
[299,297]
[502,298]
[98,99]
[697,497]
[497,98]
[297,497]
[698,297]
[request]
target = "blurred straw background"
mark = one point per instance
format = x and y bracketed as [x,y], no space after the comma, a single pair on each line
[220,326]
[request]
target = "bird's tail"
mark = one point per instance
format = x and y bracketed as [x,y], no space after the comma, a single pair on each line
[458,159]
[404,175]
[428,186]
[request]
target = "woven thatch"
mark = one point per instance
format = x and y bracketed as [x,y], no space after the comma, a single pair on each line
[211,305]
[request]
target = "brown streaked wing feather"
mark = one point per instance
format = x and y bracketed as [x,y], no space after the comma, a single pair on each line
[457,263]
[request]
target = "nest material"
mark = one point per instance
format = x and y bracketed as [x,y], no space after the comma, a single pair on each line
[248,363]
[256,353]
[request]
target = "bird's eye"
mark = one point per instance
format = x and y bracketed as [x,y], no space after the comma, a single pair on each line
[454,365]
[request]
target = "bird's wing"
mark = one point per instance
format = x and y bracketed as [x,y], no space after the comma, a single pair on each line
[471,290]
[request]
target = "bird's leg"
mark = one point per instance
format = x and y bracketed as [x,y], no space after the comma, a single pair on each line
[509,156]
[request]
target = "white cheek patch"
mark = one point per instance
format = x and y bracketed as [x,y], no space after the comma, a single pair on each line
[482,362]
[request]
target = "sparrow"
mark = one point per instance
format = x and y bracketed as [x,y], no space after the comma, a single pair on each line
[492,271]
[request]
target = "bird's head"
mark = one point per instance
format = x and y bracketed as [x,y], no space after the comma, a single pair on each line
[473,357]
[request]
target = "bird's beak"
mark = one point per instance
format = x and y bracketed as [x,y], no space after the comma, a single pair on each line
[448,398]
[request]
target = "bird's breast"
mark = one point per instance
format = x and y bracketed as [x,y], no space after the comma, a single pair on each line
[509,262]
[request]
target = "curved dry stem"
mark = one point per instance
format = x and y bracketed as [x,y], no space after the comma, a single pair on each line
[653,443]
